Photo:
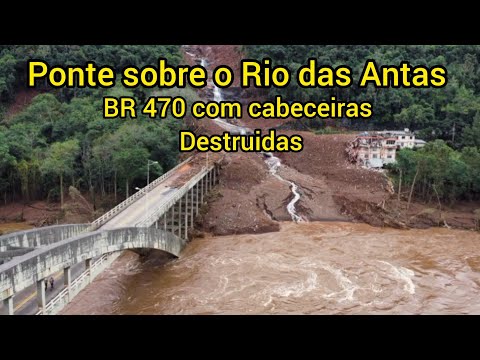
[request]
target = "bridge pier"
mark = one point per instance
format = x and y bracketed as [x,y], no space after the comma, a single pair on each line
[196,198]
[191,207]
[88,267]
[179,218]
[67,281]
[207,180]
[41,294]
[7,308]
[201,189]
[186,215]
[172,220]
[165,221]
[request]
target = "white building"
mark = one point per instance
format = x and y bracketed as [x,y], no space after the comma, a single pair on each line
[404,139]
[380,147]
[372,150]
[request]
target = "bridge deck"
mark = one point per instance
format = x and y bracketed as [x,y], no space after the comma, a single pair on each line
[138,210]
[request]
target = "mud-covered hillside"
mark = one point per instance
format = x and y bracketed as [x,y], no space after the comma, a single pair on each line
[250,200]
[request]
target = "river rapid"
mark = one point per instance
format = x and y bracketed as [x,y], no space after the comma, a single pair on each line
[306,268]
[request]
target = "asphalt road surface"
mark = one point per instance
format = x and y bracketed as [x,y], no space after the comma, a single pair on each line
[25,302]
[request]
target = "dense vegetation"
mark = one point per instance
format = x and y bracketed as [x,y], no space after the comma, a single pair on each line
[439,173]
[62,138]
[446,113]
[448,168]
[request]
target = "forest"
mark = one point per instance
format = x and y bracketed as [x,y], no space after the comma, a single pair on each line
[448,168]
[61,139]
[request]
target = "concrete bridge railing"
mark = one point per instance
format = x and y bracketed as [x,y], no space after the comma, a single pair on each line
[78,284]
[161,208]
[41,236]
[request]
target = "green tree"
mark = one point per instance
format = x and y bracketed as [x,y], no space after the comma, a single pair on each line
[438,172]
[7,77]
[415,116]
[75,117]
[471,134]
[6,161]
[44,109]
[471,157]
[130,164]
[60,161]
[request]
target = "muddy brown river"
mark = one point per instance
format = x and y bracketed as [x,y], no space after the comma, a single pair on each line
[306,268]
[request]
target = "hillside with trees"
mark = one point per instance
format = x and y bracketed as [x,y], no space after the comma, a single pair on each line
[61,138]
[451,113]
[445,170]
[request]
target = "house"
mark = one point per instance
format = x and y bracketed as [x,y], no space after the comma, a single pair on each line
[404,139]
[372,150]
[380,148]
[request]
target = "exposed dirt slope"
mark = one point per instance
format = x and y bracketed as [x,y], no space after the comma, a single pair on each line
[324,155]
[42,213]
[23,98]
[249,199]
[239,203]
[331,187]
[216,55]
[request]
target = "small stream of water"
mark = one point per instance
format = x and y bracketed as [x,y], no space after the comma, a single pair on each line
[273,162]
